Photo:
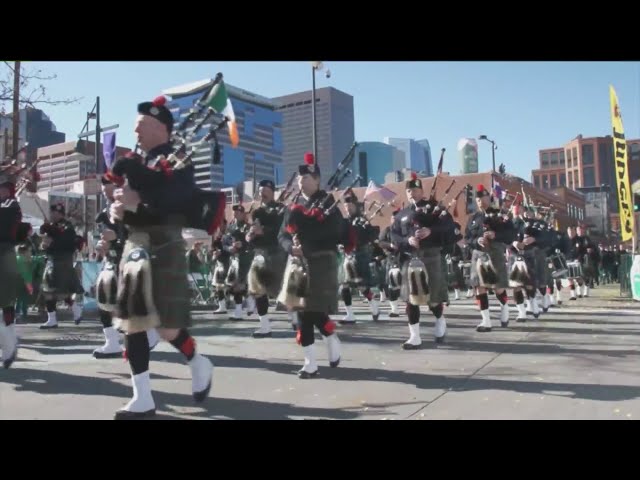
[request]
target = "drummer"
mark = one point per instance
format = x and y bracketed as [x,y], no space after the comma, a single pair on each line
[573,263]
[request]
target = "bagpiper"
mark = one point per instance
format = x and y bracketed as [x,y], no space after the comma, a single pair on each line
[157,199]
[269,259]
[488,232]
[311,231]
[418,231]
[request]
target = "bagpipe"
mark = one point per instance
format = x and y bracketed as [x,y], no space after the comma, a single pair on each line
[202,209]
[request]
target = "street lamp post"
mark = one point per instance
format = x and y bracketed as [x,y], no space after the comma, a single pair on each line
[315,66]
[494,147]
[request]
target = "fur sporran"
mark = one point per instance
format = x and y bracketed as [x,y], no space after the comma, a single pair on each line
[395,278]
[107,288]
[233,273]
[487,274]
[350,269]
[261,275]
[418,282]
[134,303]
[295,287]
[219,276]
[519,275]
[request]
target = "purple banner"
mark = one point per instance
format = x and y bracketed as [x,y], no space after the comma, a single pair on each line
[109,148]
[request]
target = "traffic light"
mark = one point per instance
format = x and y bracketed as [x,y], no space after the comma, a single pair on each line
[636,202]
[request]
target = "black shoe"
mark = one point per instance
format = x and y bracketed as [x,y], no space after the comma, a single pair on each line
[334,364]
[375,317]
[440,339]
[127,415]
[9,361]
[48,327]
[521,320]
[100,355]
[303,374]
[394,315]
[504,324]
[347,322]
[410,346]
[261,335]
[483,329]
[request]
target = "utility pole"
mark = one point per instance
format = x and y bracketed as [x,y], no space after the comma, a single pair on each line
[16,109]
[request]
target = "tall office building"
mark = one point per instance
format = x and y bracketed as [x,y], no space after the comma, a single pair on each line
[36,129]
[374,160]
[334,125]
[417,155]
[259,128]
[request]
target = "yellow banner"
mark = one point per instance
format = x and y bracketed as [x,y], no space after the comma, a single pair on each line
[625,197]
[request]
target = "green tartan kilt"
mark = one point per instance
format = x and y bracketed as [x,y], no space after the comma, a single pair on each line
[169,270]
[9,275]
[497,254]
[276,261]
[436,276]
[368,272]
[61,279]
[323,283]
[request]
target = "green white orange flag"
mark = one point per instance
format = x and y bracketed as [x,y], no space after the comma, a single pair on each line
[218,99]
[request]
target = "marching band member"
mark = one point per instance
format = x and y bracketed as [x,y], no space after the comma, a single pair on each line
[222,259]
[543,244]
[526,273]
[270,260]
[587,255]
[418,232]
[391,267]
[487,234]
[60,280]
[573,254]
[311,230]
[11,234]
[235,244]
[558,246]
[110,246]
[358,272]
[453,256]
[153,287]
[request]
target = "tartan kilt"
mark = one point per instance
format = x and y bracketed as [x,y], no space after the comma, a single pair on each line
[437,277]
[323,283]
[61,279]
[170,287]
[499,261]
[455,275]
[10,276]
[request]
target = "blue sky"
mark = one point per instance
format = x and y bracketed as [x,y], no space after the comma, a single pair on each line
[523,106]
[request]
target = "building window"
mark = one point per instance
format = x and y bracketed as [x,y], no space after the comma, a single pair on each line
[563,179]
[589,176]
[554,158]
[587,154]
[575,155]
[554,181]
[536,181]
[562,158]
[544,162]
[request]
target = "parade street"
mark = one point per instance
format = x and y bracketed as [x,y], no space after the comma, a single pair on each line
[578,361]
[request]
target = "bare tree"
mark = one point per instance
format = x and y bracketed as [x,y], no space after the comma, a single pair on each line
[30,93]
[17,86]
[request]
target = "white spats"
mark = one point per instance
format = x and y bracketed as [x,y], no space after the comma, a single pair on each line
[238,314]
[469,293]
[310,367]
[111,347]
[77,312]
[201,376]
[440,329]
[8,344]
[534,308]
[522,313]
[52,321]
[456,294]
[349,317]
[552,300]
[293,316]
[585,291]
[546,302]
[414,341]
[504,315]
[572,296]
[394,307]
[383,296]
[222,306]
[251,305]
[375,306]
[142,404]
[333,349]
[485,324]
[558,296]
[265,328]
[153,337]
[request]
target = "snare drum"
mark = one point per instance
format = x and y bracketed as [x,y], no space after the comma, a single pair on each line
[575,269]
[558,265]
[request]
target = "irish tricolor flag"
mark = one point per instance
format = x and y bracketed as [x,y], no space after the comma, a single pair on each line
[220,102]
